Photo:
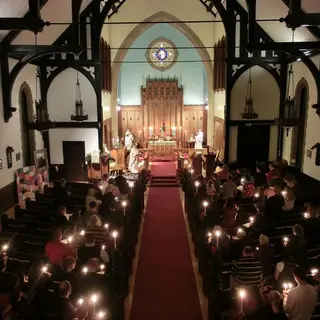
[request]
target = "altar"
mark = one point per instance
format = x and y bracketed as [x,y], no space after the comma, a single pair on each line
[162,147]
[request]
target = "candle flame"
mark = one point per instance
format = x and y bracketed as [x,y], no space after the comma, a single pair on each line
[115,234]
[5,247]
[205,203]
[242,293]
[85,270]
[82,233]
[94,298]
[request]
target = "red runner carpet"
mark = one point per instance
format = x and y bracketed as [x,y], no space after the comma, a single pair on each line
[165,286]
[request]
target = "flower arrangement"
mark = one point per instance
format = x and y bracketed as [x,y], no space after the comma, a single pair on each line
[106,158]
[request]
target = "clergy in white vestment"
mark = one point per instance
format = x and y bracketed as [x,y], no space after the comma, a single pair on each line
[128,140]
[199,140]
[133,163]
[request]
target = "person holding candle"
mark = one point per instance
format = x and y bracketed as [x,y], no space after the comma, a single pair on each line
[56,250]
[273,173]
[246,271]
[265,254]
[284,271]
[297,246]
[229,214]
[299,302]
[229,188]
[97,230]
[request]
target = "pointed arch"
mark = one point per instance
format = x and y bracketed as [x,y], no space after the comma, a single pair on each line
[160,16]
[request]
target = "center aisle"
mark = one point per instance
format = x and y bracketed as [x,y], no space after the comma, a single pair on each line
[165,286]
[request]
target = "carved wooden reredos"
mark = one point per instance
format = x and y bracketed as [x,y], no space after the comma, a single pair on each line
[162,102]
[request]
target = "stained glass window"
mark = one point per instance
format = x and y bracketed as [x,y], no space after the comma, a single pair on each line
[162,54]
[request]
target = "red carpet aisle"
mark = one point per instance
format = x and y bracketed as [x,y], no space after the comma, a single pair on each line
[165,286]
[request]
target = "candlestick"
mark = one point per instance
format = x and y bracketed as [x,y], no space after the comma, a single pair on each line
[124,204]
[242,294]
[115,235]
[217,233]
[205,204]
[197,184]
[131,185]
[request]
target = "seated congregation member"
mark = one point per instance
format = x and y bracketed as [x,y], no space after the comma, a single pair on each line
[259,222]
[293,185]
[265,254]
[248,188]
[229,214]
[247,270]
[60,192]
[312,224]
[299,302]
[90,250]
[97,230]
[284,272]
[223,174]
[56,250]
[289,199]
[102,185]
[92,197]
[276,303]
[274,204]
[76,218]
[93,210]
[260,179]
[112,188]
[273,173]
[296,247]
[229,188]
[66,273]
[108,205]
[122,183]
[62,219]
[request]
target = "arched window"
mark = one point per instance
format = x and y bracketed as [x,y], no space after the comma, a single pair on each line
[28,142]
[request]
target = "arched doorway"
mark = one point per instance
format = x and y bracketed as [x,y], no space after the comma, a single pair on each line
[28,141]
[298,133]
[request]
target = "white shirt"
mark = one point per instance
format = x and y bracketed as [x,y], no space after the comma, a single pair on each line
[300,302]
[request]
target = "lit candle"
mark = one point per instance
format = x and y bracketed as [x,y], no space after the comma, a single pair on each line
[197,184]
[242,294]
[205,204]
[80,301]
[102,267]
[242,180]
[115,235]
[285,240]
[217,233]
[256,195]
[101,314]
[191,171]
[306,215]
[106,226]
[82,233]
[251,219]
[94,299]
[85,270]
[5,248]
[314,272]
[284,193]
[131,185]
[124,204]
[103,247]
[70,239]
[44,269]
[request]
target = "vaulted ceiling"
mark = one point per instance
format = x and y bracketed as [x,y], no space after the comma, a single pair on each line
[266,9]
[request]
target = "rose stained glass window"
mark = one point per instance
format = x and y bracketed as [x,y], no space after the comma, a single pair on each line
[161,54]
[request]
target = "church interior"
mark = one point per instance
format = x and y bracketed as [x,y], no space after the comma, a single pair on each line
[159,159]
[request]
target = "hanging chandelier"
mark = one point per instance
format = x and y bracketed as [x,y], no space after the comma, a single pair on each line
[79,112]
[249,112]
[290,117]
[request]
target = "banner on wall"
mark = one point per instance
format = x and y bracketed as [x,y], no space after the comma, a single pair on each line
[29,181]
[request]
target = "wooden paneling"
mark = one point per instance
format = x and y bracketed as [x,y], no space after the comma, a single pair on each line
[219,140]
[107,132]
[130,117]
[193,119]
[220,65]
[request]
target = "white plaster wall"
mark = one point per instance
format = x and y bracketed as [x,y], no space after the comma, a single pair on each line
[57,136]
[266,99]
[312,120]
[265,94]
[62,95]
[147,8]
[10,134]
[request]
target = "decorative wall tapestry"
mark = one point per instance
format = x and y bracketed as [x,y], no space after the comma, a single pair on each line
[29,181]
